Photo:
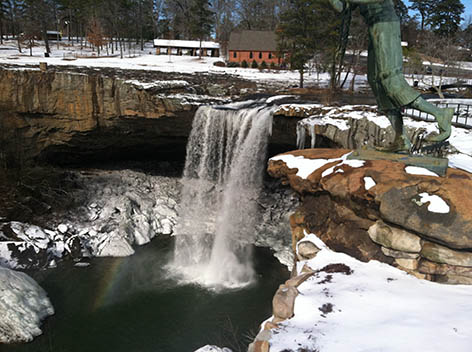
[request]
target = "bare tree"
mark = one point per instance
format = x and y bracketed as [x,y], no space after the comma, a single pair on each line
[442,54]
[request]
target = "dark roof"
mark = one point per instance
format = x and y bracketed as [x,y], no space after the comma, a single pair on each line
[253,41]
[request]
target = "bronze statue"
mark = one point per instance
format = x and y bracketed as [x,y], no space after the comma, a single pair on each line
[385,71]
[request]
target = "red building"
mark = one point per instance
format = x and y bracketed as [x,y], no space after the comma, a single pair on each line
[253,45]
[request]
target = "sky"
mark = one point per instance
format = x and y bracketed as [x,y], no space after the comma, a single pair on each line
[467,4]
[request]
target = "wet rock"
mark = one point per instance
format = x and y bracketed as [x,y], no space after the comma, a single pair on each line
[394,238]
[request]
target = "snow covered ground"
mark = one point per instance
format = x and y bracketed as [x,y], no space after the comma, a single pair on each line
[147,60]
[23,304]
[375,308]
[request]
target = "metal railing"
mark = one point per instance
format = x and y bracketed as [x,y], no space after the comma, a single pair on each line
[462,115]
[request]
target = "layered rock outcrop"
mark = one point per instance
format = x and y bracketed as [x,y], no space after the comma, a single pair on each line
[383,210]
[62,116]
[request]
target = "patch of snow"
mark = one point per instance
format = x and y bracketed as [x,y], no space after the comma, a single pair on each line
[376,308]
[415,170]
[460,161]
[327,120]
[23,304]
[307,166]
[352,163]
[436,203]
[339,116]
[369,183]
[278,97]
[212,348]
[159,84]
[6,255]
[62,228]
[31,234]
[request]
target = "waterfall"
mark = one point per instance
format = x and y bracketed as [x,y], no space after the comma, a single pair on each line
[222,178]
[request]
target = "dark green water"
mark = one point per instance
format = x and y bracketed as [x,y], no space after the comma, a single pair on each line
[131,305]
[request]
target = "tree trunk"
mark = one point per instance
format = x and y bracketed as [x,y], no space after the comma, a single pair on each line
[1,31]
[200,51]
[301,77]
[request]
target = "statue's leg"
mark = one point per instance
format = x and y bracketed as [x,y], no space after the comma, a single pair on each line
[387,46]
[442,116]
[401,142]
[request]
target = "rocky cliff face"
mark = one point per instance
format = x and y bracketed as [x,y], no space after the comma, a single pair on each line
[62,116]
[383,210]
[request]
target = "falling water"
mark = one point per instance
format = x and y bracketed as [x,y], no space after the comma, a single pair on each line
[222,178]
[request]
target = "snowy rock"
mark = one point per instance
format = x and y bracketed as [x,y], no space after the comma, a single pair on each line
[307,250]
[62,228]
[23,304]
[113,245]
[211,348]
[31,234]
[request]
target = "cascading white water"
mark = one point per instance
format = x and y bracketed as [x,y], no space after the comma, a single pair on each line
[222,179]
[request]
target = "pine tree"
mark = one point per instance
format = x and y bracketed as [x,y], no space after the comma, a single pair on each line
[446,17]
[201,21]
[424,8]
[3,14]
[401,10]
[306,26]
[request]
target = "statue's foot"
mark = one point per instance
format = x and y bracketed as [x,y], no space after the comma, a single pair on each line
[444,123]
[399,145]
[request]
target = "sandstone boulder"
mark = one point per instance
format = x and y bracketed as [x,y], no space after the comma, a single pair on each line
[399,254]
[440,254]
[394,238]
[283,302]
[307,250]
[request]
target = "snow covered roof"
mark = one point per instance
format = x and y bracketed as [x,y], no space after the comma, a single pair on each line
[253,41]
[185,44]
[53,32]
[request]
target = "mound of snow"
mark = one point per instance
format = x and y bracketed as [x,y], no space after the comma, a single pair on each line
[23,304]
[373,307]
